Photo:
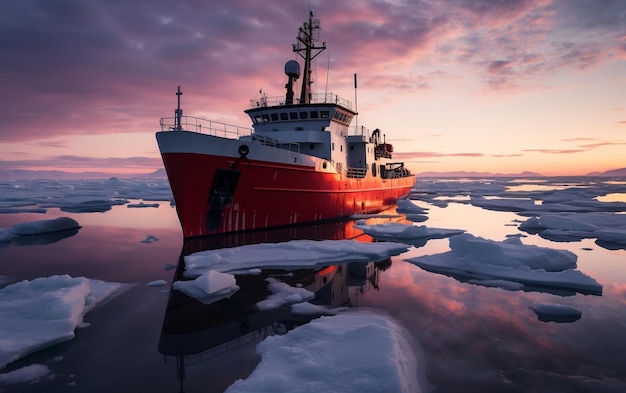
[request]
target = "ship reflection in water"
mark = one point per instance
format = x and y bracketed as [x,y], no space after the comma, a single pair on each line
[194,332]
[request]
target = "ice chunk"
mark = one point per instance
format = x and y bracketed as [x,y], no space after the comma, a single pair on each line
[295,254]
[406,206]
[396,230]
[45,311]
[209,287]
[45,226]
[354,351]
[25,374]
[475,258]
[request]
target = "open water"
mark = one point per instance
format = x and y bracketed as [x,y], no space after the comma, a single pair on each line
[470,338]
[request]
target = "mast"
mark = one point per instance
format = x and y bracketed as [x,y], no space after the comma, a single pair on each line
[307,36]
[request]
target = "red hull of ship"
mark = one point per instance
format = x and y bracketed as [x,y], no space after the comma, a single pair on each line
[272,194]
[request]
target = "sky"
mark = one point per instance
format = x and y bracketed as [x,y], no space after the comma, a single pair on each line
[500,86]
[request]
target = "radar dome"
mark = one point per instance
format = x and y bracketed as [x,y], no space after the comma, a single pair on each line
[292,69]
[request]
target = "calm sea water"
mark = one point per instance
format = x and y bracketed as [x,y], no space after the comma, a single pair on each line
[469,338]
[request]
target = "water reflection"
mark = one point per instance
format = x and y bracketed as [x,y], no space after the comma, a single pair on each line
[193,332]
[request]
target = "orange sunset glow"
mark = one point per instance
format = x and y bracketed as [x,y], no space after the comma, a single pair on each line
[484,86]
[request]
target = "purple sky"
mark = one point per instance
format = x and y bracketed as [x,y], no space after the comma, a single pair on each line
[85,82]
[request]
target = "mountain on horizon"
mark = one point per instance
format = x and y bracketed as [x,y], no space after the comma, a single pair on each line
[621,172]
[478,174]
[24,174]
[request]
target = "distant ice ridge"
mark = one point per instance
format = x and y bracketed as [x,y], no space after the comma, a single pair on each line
[78,196]
[497,263]
[45,311]
[358,351]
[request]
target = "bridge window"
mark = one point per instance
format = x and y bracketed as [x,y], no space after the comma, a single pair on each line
[266,117]
[284,116]
[314,114]
[325,114]
[274,116]
[293,115]
[304,115]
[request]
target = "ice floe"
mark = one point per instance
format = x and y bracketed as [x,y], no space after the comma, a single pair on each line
[44,226]
[209,287]
[39,232]
[45,311]
[353,351]
[537,268]
[417,235]
[295,254]
[28,373]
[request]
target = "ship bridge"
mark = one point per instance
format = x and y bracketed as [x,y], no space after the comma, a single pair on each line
[274,114]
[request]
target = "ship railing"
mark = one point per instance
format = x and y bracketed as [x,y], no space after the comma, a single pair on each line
[316,98]
[356,172]
[278,143]
[204,126]
[359,130]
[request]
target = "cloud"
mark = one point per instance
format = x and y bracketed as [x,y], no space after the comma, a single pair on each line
[428,154]
[555,151]
[602,144]
[72,67]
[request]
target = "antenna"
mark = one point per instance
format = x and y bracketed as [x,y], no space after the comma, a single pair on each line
[178,113]
[356,117]
[330,43]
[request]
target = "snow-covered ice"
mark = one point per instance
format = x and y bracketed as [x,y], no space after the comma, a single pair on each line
[406,206]
[478,259]
[558,210]
[44,226]
[295,254]
[45,311]
[39,232]
[606,227]
[354,351]
[25,374]
[405,232]
[209,287]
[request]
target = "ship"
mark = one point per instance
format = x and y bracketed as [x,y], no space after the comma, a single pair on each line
[301,162]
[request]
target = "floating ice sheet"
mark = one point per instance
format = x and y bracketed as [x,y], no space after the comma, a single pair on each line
[405,232]
[295,254]
[45,311]
[353,351]
[478,259]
